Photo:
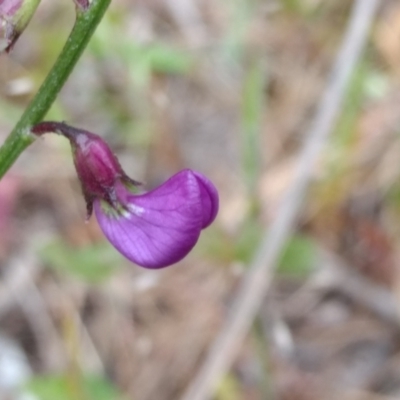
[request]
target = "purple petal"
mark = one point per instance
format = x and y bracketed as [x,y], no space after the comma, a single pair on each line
[209,198]
[160,227]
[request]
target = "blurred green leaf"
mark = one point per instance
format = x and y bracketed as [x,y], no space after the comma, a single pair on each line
[92,264]
[377,85]
[298,256]
[393,196]
[216,245]
[392,205]
[346,131]
[294,6]
[225,248]
[241,14]
[53,387]
[228,389]
[247,242]
[252,108]
[9,112]
[168,60]
[143,59]
[346,126]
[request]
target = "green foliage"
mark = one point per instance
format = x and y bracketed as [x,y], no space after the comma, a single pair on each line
[346,126]
[92,264]
[142,59]
[301,8]
[248,241]
[228,389]
[216,245]
[71,387]
[222,247]
[392,204]
[132,108]
[154,58]
[393,196]
[377,84]
[241,15]
[8,111]
[294,6]
[343,142]
[298,257]
[252,109]
[366,83]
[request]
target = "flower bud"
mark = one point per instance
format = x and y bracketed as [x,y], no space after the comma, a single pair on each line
[83,4]
[14,17]
[97,167]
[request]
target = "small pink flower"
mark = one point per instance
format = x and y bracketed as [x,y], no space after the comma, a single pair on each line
[153,229]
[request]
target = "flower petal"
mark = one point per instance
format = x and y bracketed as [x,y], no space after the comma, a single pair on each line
[209,198]
[160,227]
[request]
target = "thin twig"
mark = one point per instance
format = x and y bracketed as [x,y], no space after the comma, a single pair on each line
[19,287]
[378,299]
[258,278]
[337,275]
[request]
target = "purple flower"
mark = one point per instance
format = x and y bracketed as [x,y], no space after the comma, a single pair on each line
[160,227]
[14,17]
[153,229]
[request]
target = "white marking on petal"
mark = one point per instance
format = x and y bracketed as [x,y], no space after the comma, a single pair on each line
[137,210]
[125,214]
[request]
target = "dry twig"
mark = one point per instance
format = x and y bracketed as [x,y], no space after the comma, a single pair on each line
[259,276]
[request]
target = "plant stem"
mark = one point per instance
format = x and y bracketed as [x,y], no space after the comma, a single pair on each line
[20,137]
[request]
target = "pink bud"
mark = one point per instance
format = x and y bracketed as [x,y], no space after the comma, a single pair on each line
[14,17]
[97,167]
[82,4]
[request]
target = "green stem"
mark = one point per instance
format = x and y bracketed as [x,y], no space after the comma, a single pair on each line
[20,137]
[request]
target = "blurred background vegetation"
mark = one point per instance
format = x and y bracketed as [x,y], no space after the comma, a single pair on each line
[226,88]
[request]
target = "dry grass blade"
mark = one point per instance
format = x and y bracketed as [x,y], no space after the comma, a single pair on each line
[259,276]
